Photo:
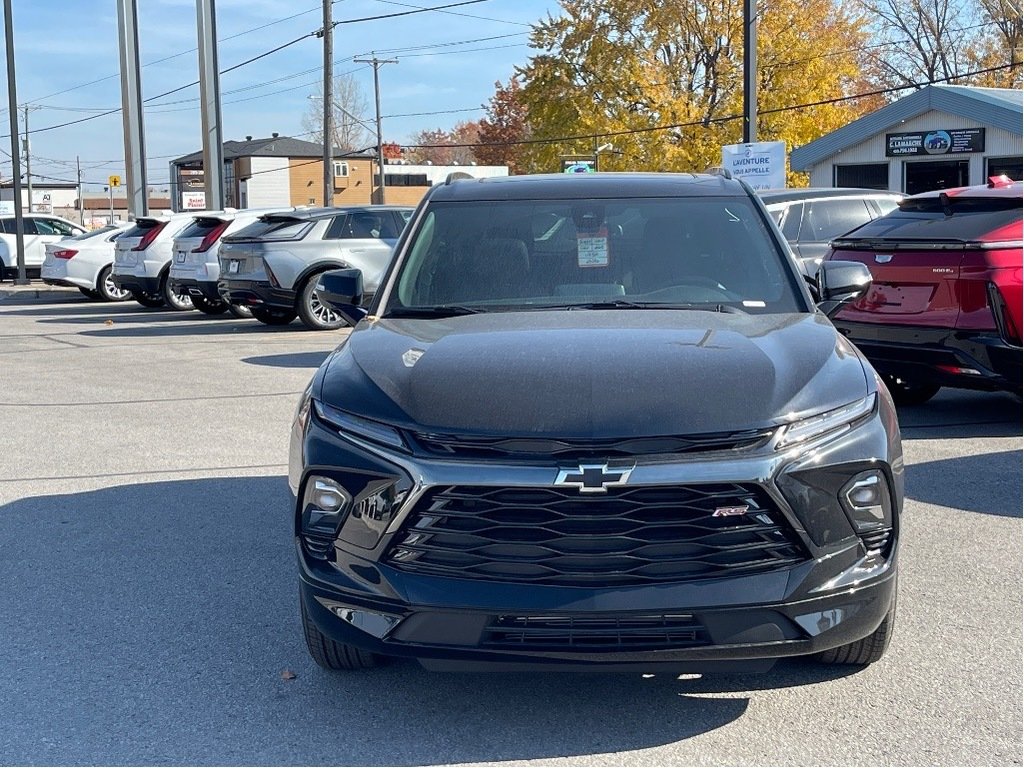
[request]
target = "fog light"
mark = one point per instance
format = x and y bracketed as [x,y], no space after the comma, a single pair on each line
[323,506]
[868,503]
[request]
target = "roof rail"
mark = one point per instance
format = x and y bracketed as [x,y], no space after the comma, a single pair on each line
[717,170]
[456,176]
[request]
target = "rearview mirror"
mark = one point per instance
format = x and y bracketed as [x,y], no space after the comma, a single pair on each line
[342,291]
[839,283]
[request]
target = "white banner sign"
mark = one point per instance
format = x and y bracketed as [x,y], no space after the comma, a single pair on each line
[761,164]
[193,201]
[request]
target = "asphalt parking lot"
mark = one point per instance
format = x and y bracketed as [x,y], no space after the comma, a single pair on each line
[148,608]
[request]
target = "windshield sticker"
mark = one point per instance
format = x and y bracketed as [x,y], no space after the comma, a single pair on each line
[753,304]
[592,250]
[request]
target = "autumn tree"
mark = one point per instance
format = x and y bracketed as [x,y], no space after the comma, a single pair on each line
[662,81]
[441,147]
[349,110]
[503,126]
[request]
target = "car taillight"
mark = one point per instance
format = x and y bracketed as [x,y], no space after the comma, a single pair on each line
[1001,312]
[211,237]
[66,253]
[150,236]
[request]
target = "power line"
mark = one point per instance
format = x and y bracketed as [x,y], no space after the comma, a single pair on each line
[457,13]
[723,119]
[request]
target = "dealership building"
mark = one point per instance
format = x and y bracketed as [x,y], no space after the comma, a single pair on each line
[938,137]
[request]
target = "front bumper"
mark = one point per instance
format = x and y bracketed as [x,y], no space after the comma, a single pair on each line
[838,592]
[966,359]
[257,293]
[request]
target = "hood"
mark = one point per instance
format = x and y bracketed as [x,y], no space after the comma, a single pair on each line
[593,373]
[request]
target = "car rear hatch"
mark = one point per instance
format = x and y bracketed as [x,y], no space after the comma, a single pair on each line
[134,241]
[194,245]
[241,253]
[920,255]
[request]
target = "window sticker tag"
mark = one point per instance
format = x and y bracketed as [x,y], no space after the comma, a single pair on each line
[592,250]
[753,304]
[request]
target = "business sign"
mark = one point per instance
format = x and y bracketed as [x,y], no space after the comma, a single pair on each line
[761,164]
[193,201]
[948,142]
[583,164]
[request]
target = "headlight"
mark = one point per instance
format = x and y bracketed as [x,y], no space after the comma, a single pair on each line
[831,423]
[347,423]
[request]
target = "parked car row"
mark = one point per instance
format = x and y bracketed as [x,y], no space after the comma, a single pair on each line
[253,263]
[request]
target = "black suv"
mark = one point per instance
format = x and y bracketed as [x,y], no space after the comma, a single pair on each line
[596,420]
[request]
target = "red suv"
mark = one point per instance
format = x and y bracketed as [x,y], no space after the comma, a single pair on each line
[944,309]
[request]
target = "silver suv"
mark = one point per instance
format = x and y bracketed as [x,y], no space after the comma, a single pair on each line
[809,218]
[272,265]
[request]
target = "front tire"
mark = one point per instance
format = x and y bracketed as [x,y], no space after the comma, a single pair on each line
[867,650]
[330,654]
[907,393]
[107,288]
[270,316]
[208,307]
[149,300]
[176,301]
[314,313]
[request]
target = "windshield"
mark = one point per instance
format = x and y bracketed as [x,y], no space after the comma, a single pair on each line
[696,252]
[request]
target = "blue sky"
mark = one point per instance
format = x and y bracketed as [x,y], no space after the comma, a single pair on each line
[64,46]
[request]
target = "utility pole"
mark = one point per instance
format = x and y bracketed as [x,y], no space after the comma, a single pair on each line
[28,156]
[131,108]
[749,71]
[209,94]
[376,94]
[328,35]
[12,111]
[81,202]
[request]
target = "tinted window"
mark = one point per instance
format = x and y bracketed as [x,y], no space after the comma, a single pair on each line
[28,226]
[362,225]
[273,228]
[556,253]
[59,227]
[791,226]
[961,219]
[825,219]
[94,233]
[200,227]
[140,228]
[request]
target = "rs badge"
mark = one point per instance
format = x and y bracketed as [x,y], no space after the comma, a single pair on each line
[730,511]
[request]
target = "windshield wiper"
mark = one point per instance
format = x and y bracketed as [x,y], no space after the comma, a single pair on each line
[445,310]
[626,304]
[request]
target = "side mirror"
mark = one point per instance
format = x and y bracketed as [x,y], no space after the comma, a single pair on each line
[840,282]
[342,291]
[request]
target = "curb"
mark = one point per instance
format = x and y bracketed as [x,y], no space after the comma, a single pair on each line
[37,292]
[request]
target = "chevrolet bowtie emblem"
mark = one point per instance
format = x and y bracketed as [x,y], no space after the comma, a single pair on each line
[593,478]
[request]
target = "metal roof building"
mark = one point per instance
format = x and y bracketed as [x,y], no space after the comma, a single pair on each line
[940,136]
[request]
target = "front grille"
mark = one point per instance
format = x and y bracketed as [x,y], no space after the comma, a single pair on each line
[593,633]
[629,535]
[469,446]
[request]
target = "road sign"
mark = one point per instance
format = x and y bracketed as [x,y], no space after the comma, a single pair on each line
[114,181]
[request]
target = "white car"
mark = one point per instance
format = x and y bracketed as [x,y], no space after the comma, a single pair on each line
[142,260]
[84,262]
[195,269]
[39,230]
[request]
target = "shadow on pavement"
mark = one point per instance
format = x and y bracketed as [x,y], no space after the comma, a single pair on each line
[85,307]
[987,483]
[154,622]
[962,413]
[294,360]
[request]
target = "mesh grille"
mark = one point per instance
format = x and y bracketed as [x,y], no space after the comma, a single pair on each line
[594,633]
[630,535]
